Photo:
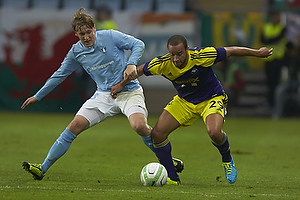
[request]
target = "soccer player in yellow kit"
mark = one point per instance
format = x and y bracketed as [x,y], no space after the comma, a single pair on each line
[200,94]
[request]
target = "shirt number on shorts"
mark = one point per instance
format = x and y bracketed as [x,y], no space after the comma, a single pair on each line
[215,104]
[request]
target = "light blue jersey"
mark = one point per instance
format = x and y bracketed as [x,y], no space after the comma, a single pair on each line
[105,61]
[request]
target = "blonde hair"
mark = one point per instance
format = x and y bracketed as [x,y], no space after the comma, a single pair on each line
[81,19]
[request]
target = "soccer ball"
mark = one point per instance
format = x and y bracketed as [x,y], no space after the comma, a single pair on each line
[154,174]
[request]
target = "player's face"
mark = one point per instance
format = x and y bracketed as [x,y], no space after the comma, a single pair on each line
[178,55]
[86,35]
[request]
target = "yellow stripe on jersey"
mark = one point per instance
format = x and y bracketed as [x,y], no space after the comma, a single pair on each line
[157,61]
[164,66]
[205,57]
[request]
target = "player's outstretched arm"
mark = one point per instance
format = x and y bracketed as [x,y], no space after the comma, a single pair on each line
[263,52]
[119,86]
[28,102]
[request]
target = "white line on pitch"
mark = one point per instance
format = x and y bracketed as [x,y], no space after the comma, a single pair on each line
[138,191]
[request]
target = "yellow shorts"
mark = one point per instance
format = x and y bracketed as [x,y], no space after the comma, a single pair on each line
[187,113]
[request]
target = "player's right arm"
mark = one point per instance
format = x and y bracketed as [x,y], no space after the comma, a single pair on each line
[28,102]
[50,84]
[139,70]
[67,67]
[118,87]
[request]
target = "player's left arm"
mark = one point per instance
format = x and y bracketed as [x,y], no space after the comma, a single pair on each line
[119,86]
[263,52]
[130,72]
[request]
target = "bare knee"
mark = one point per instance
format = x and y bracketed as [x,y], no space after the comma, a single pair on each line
[78,124]
[214,124]
[215,135]
[139,124]
[141,128]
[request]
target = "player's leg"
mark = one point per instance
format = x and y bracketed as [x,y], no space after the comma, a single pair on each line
[139,124]
[220,140]
[87,116]
[177,113]
[64,141]
[164,126]
[218,137]
[214,118]
[132,104]
[59,148]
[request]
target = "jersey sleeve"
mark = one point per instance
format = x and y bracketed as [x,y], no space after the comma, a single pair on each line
[157,66]
[67,67]
[221,54]
[145,70]
[128,42]
[207,56]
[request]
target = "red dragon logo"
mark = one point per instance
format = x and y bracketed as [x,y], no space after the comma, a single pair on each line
[35,70]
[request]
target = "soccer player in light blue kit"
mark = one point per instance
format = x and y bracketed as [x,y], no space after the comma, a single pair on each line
[200,95]
[101,55]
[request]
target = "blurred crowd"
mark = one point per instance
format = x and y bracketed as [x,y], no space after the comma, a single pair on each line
[283,95]
[281,70]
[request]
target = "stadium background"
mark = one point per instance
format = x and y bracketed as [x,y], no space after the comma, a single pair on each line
[35,35]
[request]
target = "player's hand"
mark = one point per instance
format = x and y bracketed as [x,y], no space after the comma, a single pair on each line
[130,72]
[115,89]
[264,52]
[28,102]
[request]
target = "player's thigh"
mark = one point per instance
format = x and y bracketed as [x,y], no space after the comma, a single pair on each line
[214,123]
[184,112]
[216,105]
[98,108]
[132,102]
[92,115]
[166,123]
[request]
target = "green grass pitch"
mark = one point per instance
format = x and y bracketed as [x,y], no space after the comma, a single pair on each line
[105,161]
